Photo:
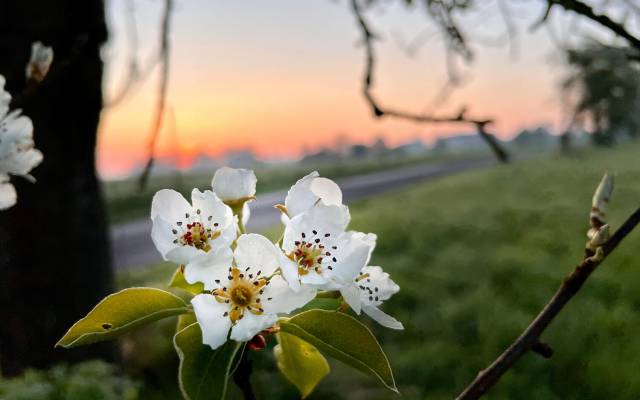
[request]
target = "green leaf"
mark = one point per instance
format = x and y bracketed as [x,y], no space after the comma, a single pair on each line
[178,281]
[300,362]
[322,304]
[203,372]
[343,338]
[121,312]
[185,320]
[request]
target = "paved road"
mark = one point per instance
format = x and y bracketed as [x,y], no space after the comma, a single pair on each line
[132,246]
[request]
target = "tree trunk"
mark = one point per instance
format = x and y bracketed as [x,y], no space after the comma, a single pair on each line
[54,248]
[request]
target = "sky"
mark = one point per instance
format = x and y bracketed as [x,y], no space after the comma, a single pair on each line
[281,77]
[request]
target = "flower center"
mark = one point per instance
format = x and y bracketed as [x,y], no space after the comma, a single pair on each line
[242,293]
[310,254]
[193,232]
[241,296]
[371,292]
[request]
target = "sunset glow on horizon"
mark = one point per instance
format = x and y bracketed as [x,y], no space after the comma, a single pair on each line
[283,78]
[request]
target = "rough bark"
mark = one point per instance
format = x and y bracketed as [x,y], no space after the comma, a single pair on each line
[54,247]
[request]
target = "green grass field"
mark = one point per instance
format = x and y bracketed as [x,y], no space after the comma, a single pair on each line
[476,256]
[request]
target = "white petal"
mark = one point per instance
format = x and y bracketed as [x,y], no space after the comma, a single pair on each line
[228,235]
[5,99]
[211,206]
[382,318]
[283,299]
[351,295]
[233,184]
[256,252]
[18,129]
[21,162]
[183,254]
[381,280]
[310,191]
[290,272]
[327,190]
[210,315]
[8,196]
[315,279]
[324,219]
[300,197]
[368,239]
[209,267]
[170,205]
[352,255]
[250,325]
[162,236]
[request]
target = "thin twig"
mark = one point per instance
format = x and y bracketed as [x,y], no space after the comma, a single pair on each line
[587,11]
[368,37]
[530,338]
[162,93]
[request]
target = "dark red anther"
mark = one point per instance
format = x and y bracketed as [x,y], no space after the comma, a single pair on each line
[257,343]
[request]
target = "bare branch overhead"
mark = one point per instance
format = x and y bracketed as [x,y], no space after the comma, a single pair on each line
[379,111]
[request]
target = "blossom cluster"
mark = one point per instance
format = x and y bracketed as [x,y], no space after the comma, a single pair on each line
[17,153]
[249,282]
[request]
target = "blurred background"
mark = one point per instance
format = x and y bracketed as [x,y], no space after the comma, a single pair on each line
[468,135]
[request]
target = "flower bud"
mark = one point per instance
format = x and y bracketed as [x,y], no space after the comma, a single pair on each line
[600,199]
[39,63]
[234,185]
[598,237]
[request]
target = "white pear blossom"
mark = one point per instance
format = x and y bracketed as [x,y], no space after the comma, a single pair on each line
[320,251]
[183,231]
[310,191]
[40,62]
[233,184]
[247,293]
[366,293]
[17,153]
[236,187]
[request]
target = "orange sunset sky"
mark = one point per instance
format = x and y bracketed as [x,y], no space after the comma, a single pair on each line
[282,76]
